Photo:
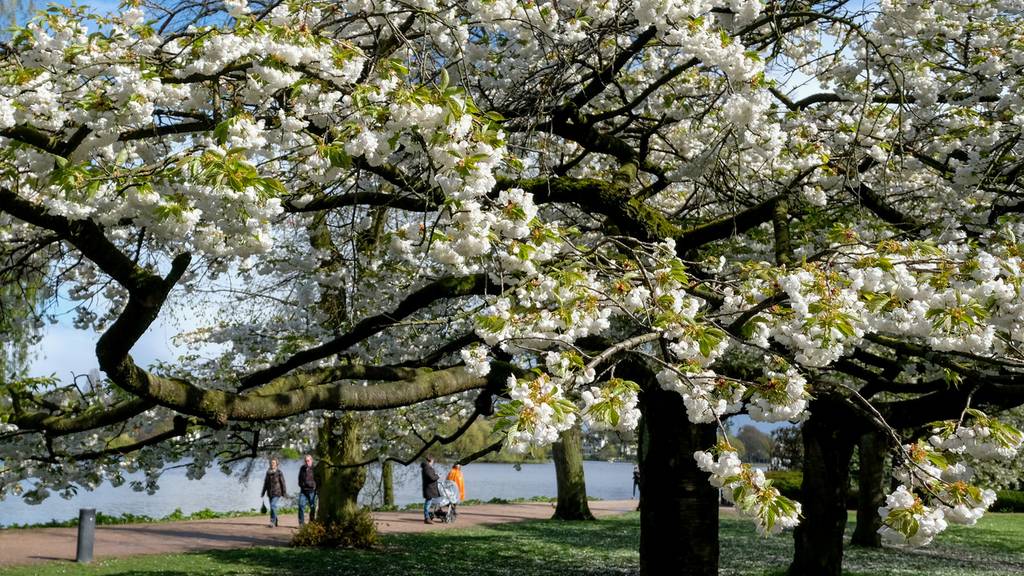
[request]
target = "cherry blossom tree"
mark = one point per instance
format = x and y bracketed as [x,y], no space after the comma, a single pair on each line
[659,207]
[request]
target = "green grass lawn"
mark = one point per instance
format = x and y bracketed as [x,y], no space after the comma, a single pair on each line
[993,548]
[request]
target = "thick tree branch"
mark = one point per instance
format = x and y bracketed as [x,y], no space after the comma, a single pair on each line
[873,202]
[220,406]
[727,226]
[830,98]
[425,296]
[410,203]
[54,425]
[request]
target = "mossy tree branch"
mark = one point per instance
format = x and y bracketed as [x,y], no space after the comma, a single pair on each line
[54,425]
[308,394]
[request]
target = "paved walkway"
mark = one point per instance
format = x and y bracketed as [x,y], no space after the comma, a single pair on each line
[58,544]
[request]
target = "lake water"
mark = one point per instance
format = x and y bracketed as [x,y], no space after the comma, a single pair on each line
[605,480]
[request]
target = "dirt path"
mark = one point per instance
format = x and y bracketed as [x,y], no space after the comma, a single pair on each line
[49,544]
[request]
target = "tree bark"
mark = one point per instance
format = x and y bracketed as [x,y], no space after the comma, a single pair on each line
[339,486]
[871,490]
[678,507]
[572,487]
[387,481]
[828,448]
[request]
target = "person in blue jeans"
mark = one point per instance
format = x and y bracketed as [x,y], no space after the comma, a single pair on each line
[430,490]
[307,490]
[273,487]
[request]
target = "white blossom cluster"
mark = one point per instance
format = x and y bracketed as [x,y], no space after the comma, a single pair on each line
[984,439]
[536,413]
[750,491]
[907,521]
[964,504]
[477,360]
[780,395]
[612,406]
[947,494]
[707,397]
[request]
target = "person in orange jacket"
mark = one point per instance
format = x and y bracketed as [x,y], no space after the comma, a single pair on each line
[456,476]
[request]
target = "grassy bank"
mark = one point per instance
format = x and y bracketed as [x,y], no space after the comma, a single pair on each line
[607,547]
[129,518]
[207,514]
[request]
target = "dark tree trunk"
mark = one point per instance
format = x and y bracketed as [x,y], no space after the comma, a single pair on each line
[572,487]
[387,481]
[678,507]
[828,438]
[338,444]
[871,490]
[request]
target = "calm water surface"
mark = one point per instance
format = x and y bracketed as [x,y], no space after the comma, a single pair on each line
[605,480]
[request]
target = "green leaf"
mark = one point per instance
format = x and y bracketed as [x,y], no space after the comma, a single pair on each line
[491,324]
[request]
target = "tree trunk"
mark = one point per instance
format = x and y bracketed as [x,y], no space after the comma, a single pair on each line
[828,448]
[339,487]
[678,507]
[387,481]
[572,487]
[871,490]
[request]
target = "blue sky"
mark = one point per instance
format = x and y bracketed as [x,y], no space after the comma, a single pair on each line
[66,351]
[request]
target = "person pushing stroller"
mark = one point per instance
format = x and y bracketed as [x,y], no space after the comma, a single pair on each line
[430,491]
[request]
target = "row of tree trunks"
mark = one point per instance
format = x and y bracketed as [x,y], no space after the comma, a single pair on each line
[679,508]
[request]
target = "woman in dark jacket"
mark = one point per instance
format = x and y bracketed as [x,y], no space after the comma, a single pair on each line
[430,490]
[273,486]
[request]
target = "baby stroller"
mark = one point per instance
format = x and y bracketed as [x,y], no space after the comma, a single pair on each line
[445,507]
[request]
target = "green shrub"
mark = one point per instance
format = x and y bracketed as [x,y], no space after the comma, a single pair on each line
[357,531]
[1009,501]
[311,534]
[787,482]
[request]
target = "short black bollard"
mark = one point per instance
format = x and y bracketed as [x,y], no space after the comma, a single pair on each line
[86,534]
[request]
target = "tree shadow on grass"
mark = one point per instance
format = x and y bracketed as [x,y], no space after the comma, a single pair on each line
[605,547]
[526,549]
[150,573]
[960,552]
[616,535]
[937,559]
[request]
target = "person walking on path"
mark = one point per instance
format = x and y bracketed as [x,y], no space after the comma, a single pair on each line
[430,491]
[307,490]
[273,487]
[636,479]
[456,476]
